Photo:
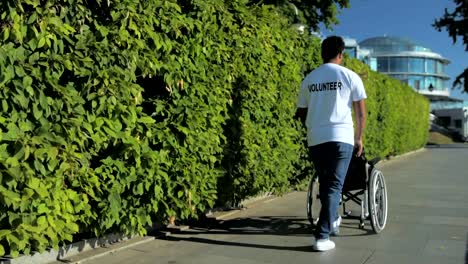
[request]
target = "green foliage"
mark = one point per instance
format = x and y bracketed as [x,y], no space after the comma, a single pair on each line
[115,114]
[455,23]
[75,148]
[262,153]
[310,12]
[397,116]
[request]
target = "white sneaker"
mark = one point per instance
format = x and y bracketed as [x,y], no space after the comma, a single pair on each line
[336,227]
[323,244]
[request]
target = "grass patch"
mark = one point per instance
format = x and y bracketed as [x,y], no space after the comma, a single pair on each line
[438,138]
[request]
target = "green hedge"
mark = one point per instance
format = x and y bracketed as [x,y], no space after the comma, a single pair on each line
[398,117]
[116,114]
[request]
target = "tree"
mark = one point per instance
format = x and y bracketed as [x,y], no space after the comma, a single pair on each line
[455,23]
[310,12]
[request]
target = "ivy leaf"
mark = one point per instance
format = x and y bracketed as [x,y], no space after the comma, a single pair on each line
[68,65]
[34,183]
[3,233]
[37,112]
[32,18]
[42,221]
[5,105]
[41,43]
[146,120]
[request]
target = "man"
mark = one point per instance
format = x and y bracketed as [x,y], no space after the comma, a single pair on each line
[324,104]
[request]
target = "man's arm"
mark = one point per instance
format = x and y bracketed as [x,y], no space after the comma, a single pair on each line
[360,114]
[301,114]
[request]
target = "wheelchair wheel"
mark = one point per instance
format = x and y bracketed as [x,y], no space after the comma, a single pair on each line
[313,201]
[377,201]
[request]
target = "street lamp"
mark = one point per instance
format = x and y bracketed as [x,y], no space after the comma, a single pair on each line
[431,87]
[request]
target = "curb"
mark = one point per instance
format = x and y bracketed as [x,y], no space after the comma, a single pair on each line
[67,251]
[102,251]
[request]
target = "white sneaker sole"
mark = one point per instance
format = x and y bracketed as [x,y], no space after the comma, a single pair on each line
[322,249]
[324,246]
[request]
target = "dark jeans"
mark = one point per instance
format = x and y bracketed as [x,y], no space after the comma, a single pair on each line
[331,162]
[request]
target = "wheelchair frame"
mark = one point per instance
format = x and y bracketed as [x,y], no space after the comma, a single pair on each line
[365,186]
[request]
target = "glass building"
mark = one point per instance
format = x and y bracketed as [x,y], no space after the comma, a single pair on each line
[420,68]
[413,64]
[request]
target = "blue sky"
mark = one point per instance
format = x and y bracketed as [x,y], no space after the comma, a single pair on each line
[410,19]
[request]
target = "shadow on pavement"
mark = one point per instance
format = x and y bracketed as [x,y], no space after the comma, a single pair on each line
[447,146]
[466,250]
[263,225]
[239,244]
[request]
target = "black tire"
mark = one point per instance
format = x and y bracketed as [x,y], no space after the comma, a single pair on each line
[378,204]
[313,201]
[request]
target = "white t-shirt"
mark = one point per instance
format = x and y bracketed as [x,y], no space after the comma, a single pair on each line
[328,93]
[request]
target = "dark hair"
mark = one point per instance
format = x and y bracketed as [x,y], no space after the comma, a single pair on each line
[331,47]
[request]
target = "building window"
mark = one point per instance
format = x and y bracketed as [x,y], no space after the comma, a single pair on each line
[382,64]
[416,65]
[445,121]
[398,64]
[458,123]
[373,64]
[415,82]
[440,67]
[439,84]
[430,66]
[428,81]
[417,86]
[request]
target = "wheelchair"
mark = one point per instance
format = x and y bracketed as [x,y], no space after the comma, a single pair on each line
[365,186]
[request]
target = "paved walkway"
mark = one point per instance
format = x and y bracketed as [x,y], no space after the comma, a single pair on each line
[427,223]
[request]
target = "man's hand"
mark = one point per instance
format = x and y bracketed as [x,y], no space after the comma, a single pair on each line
[301,114]
[360,112]
[358,146]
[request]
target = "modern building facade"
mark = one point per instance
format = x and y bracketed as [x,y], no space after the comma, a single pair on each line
[353,49]
[455,119]
[417,66]
[413,64]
